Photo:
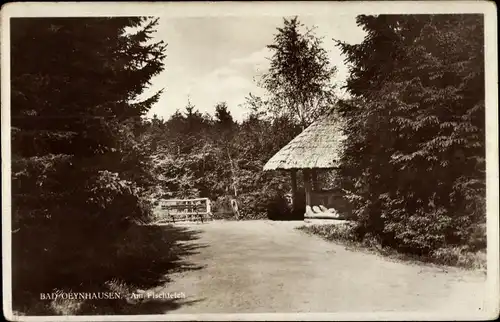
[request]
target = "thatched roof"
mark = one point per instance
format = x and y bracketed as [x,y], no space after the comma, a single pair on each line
[318,146]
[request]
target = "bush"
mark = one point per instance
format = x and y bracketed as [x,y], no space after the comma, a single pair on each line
[459,256]
[252,205]
[278,208]
[336,232]
[221,208]
[56,240]
[477,237]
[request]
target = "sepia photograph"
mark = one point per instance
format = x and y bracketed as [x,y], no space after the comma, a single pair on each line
[250,161]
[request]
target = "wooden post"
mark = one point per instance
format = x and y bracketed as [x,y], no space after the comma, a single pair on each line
[294,188]
[209,206]
[307,186]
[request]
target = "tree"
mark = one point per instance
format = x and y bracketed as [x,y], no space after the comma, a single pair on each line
[414,160]
[77,159]
[223,116]
[226,129]
[299,80]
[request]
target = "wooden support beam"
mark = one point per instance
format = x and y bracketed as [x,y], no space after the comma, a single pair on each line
[307,185]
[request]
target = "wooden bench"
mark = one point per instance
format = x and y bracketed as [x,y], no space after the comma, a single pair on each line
[182,210]
[328,204]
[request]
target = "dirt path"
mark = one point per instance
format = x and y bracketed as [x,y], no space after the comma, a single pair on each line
[265,267]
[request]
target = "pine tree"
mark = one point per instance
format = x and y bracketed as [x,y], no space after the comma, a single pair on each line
[76,158]
[223,116]
[415,155]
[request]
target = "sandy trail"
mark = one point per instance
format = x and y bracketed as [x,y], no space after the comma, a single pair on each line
[267,267]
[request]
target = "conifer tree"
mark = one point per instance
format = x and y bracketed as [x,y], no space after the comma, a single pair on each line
[77,162]
[415,154]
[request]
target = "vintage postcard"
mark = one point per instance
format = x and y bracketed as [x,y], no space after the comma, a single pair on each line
[250,161]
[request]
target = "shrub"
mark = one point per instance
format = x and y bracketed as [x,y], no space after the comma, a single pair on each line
[252,205]
[278,207]
[335,232]
[221,208]
[55,242]
[459,256]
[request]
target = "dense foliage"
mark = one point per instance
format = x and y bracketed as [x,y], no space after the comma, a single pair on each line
[415,158]
[79,169]
[199,155]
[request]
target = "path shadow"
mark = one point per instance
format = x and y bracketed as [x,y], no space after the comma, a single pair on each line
[142,258]
[163,249]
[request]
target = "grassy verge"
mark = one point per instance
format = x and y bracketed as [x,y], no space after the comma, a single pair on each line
[451,256]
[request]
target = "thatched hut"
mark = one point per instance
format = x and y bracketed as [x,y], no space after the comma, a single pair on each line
[318,147]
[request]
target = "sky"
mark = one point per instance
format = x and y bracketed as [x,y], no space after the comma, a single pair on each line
[217,59]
